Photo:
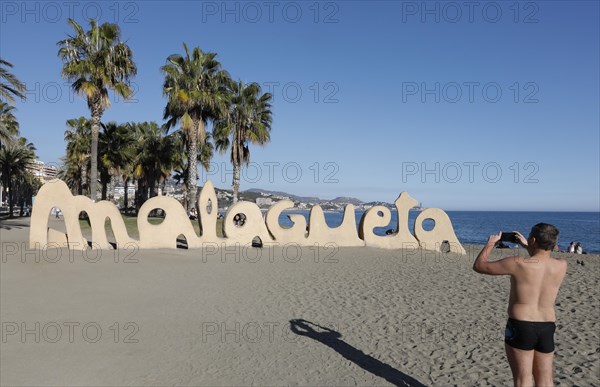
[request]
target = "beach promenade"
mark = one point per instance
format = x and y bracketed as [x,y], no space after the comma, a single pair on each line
[281,315]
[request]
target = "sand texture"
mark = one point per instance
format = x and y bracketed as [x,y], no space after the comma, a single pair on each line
[276,316]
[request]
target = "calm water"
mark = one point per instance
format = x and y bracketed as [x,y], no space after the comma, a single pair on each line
[475,226]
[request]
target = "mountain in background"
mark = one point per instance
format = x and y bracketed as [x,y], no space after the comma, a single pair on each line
[306,199]
[346,199]
[303,202]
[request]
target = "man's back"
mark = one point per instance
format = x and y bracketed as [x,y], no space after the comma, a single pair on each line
[529,332]
[534,287]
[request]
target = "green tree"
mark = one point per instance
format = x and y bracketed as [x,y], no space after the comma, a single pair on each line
[15,161]
[116,151]
[10,86]
[127,166]
[76,163]
[25,186]
[248,120]
[195,87]
[95,61]
[9,126]
[156,158]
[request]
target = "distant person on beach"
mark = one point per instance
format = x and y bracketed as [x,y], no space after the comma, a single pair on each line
[571,247]
[578,248]
[534,285]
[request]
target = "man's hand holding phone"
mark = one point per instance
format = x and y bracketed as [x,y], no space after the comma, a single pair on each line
[520,239]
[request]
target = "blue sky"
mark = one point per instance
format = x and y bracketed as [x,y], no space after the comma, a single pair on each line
[494,107]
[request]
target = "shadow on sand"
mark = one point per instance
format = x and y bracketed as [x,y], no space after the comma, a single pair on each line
[332,339]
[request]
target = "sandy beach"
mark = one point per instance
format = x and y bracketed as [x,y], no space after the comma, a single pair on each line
[281,315]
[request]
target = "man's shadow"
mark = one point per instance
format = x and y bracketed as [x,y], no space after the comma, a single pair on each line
[332,339]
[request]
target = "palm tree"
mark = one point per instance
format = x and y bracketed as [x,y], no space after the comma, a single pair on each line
[10,86]
[127,167]
[9,126]
[24,187]
[155,159]
[15,160]
[71,175]
[77,159]
[248,120]
[195,88]
[116,152]
[95,61]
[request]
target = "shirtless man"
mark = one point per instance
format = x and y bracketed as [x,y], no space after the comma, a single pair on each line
[534,284]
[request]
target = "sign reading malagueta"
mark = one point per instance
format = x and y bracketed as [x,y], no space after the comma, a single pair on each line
[55,193]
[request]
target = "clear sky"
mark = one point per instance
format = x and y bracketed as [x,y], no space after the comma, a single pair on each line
[466,105]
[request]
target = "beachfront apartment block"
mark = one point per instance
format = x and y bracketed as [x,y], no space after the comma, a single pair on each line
[43,171]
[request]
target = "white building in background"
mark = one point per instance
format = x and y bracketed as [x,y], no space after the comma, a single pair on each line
[40,170]
[43,171]
[264,201]
[120,190]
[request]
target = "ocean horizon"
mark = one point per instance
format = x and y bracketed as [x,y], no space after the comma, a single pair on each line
[474,227]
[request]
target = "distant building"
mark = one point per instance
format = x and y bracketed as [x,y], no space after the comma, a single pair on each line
[264,201]
[120,190]
[43,171]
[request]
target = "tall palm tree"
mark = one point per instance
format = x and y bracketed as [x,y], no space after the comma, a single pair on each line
[79,149]
[195,87]
[10,86]
[95,61]
[15,160]
[9,126]
[248,120]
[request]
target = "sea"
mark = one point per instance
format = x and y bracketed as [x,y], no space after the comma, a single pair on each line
[474,227]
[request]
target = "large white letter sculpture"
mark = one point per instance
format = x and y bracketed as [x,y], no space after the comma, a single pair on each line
[55,193]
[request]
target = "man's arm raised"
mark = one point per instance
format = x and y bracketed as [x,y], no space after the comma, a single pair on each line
[501,267]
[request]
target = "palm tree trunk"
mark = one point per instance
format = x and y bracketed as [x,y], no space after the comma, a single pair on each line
[236,181]
[197,126]
[84,180]
[111,187]
[235,160]
[152,189]
[104,184]
[139,195]
[125,194]
[11,203]
[96,116]
[80,183]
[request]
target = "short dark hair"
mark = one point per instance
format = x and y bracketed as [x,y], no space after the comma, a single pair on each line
[545,235]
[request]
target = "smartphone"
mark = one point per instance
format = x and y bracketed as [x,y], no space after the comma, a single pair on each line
[509,237]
